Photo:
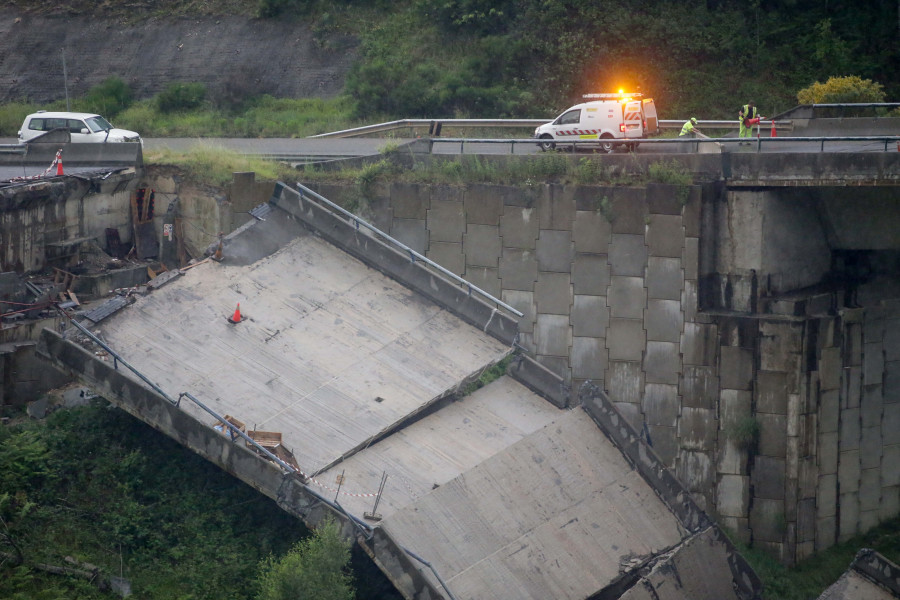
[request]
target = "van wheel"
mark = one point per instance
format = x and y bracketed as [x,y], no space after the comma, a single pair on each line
[606,146]
[545,146]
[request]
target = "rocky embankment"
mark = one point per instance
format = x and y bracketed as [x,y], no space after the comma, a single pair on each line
[224,53]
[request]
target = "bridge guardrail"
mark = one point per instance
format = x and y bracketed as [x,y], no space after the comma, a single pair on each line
[757,141]
[434,125]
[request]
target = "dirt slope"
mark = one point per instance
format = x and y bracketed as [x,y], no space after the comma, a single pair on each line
[279,58]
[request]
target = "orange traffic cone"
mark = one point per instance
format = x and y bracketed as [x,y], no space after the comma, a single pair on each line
[774,133]
[236,317]
[59,167]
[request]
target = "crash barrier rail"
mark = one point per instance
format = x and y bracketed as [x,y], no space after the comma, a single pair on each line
[74,154]
[435,125]
[846,107]
[888,141]
[413,255]
[234,431]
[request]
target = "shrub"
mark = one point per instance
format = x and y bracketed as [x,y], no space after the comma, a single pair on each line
[315,567]
[109,98]
[181,96]
[842,90]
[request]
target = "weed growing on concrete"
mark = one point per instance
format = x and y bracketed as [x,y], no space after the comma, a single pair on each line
[492,373]
[604,207]
[744,432]
[673,174]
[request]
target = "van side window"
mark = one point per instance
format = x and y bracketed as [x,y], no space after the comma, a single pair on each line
[75,126]
[55,124]
[571,118]
[36,125]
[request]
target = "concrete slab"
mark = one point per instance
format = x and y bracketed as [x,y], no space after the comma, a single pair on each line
[449,255]
[591,232]
[519,227]
[324,337]
[552,335]
[665,278]
[481,245]
[557,211]
[665,236]
[590,274]
[627,297]
[626,339]
[664,320]
[491,532]
[553,293]
[628,255]
[518,269]
[852,585]
[590,316]
[411,232]
[446,220]
[555,251]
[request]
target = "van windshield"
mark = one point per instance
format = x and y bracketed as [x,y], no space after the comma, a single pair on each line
[98,124]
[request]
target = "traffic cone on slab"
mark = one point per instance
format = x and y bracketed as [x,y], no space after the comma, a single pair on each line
[774,133]
[59,167]
[236,317]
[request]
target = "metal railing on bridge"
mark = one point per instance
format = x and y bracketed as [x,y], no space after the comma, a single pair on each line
[435,126]
[885,142]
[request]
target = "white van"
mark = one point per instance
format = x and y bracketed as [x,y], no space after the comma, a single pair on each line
[82,127]
[609,117]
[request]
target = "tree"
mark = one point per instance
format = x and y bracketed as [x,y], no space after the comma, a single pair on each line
[315,568]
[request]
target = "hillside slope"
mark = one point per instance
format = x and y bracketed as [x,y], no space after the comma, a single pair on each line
[275,57]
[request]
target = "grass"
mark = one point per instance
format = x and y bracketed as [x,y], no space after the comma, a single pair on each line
[208,164]
[808,579]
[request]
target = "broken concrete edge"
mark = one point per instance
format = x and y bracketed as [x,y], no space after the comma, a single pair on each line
[396,265]
[288,491]
[673,494]
[424,410]
[540,380]
[879,569]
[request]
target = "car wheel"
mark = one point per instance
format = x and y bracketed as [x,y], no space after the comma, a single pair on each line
[545,146]
[606,146]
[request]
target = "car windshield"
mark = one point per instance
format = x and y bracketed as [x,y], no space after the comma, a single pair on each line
[98,124]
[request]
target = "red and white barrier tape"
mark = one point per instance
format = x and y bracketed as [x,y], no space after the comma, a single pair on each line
[55,162]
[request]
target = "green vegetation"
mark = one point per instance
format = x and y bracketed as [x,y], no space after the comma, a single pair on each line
[98,485]
[839,90]
[316,567]
[808,579]
[208,164]
[492,373]
[530,58]
[744,432]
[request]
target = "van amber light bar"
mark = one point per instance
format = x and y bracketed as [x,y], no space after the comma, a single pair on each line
[619,95]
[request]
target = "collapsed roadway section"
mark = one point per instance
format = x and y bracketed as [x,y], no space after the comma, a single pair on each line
[329,369]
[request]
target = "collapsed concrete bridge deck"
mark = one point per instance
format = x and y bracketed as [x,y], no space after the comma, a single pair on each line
[356,355]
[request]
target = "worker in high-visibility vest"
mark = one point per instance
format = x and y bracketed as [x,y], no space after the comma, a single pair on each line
[748,118]
[689,127]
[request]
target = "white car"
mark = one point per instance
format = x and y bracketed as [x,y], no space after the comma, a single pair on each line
[83,127]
